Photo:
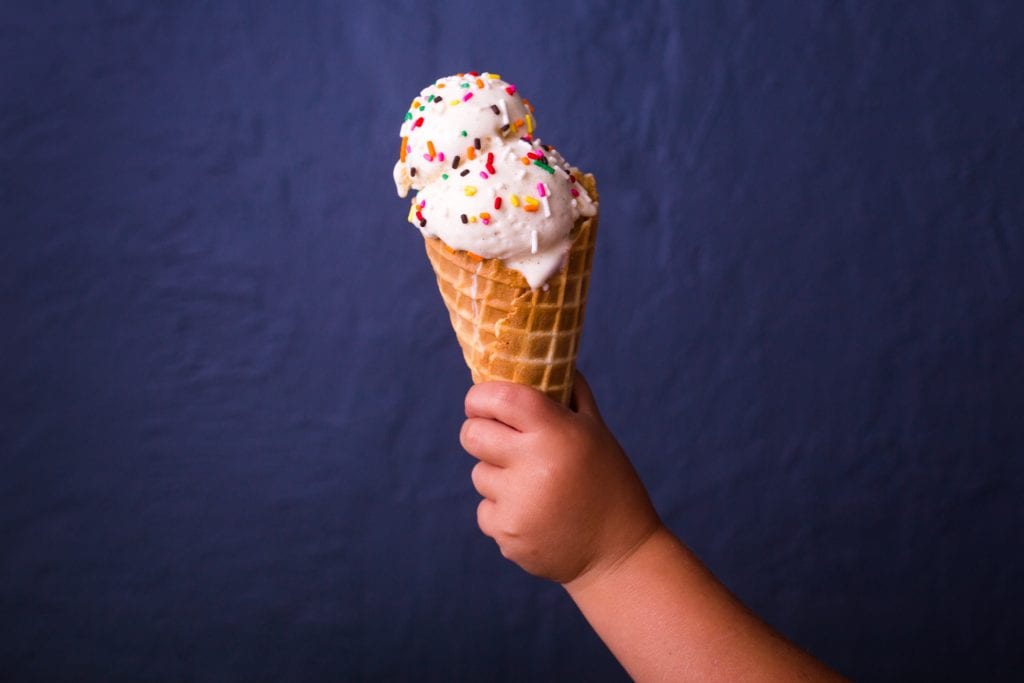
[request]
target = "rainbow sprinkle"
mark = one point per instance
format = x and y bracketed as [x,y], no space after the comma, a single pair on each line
[544,166]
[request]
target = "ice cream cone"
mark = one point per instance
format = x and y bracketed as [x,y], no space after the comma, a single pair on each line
[509,331]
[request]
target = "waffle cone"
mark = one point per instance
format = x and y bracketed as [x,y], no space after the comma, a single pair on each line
[508,331]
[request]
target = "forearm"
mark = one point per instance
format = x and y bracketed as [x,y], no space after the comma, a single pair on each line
[666,618]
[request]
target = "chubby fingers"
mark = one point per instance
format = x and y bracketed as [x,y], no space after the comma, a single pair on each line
[520,407]
[488,440]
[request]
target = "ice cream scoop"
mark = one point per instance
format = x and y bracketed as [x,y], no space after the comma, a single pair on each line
[454,119]
[485,184]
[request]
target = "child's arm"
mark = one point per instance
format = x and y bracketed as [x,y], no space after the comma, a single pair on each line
[562,500]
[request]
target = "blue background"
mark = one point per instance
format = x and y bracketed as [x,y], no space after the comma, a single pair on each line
[231,397]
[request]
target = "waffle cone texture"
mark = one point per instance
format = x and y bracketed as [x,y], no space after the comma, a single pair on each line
[508,331]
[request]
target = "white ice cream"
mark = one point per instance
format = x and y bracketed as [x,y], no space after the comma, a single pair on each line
[452,115]
[514,200]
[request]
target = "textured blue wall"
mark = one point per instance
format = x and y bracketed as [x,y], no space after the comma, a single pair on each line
[230,395]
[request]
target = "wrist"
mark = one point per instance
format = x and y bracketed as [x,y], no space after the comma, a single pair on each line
[605,568]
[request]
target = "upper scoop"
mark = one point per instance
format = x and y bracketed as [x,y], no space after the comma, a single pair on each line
[454,114]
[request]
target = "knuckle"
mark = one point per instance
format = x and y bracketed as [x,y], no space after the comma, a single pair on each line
[515,525]
[505,395]
[469,436]
[533,400]
[575,441]
[477,396]
[483,517]
[476,475]
[520,396]
[576,434]
[470,398]
[546,472]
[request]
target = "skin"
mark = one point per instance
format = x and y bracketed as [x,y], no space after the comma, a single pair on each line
[562,500]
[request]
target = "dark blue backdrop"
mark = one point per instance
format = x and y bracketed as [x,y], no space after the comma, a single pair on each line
[230,395]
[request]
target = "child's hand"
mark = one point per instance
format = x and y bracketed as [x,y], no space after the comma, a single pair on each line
[560,496]
[563,502]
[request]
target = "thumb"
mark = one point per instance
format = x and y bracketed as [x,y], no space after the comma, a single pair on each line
[583,398]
